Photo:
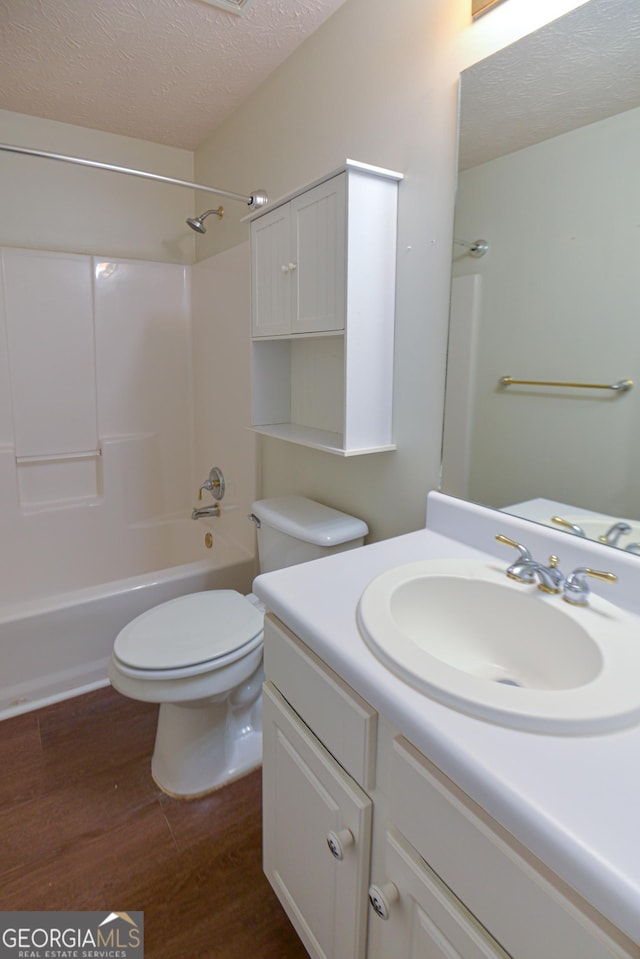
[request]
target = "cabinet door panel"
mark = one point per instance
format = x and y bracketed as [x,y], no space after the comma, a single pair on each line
[318,220]
[306,794]
[271,277]
[530,911]
[426,921]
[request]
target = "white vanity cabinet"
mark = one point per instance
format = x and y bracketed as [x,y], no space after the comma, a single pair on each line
[425,872]
[422,917]
[317,843]
[323,265]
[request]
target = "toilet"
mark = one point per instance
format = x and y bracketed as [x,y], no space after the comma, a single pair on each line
[200,656]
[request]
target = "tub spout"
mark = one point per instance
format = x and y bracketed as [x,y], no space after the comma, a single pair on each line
[212,510]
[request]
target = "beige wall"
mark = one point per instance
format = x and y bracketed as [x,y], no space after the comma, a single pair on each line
[48,205]
[377,83]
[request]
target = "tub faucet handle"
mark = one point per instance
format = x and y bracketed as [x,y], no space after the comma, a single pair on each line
[214,484]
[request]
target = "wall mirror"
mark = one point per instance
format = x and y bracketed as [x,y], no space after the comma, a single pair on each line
[548,176]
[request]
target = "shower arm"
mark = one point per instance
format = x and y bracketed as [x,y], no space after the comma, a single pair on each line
[256,200]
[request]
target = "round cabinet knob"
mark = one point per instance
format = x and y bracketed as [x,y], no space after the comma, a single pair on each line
[381,898]
[293,267]
[338,841]
[285,268]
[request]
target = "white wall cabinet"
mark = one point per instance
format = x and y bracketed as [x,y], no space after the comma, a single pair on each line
[298,263]
[323,309]
[445,880]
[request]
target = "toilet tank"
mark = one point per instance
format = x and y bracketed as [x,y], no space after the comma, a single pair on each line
[294,529]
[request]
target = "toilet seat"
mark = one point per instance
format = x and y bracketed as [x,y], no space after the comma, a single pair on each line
[189,635]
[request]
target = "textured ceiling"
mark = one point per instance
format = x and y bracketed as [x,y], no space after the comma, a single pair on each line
[579,69]
[164,70]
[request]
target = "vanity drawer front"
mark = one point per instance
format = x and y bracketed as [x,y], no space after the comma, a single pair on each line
[517,899]
[344,723]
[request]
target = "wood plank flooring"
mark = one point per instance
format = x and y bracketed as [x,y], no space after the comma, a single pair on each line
[83,826]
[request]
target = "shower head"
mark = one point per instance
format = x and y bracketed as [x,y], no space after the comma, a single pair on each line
[196,223]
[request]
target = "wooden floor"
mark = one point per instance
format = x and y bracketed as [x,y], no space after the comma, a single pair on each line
[83,826]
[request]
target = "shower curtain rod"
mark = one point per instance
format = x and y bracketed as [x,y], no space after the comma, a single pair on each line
[256,200]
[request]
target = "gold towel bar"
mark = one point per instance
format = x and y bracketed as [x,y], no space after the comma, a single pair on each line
[622,386]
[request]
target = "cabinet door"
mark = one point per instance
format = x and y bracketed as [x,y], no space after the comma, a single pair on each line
[309,802]
[271,273]
[318,223]
[415,916]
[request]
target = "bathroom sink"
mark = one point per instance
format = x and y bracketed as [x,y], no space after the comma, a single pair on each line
[466,635]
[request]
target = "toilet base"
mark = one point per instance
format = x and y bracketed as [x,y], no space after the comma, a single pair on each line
[251,760]
[202,746]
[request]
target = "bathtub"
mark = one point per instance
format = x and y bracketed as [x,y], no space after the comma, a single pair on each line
[58,646]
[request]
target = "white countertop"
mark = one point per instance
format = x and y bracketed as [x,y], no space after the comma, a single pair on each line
[573,801]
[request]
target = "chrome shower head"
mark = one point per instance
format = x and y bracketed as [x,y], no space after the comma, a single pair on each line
[196,223]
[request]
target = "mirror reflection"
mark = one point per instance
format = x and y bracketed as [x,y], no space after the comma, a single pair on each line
[549,160]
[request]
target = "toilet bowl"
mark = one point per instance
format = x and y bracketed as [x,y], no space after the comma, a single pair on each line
[200,656]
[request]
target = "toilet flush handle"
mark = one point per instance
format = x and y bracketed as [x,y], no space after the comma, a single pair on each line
[254,519]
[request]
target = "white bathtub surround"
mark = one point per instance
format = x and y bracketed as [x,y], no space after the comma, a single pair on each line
[108,426]
[48,301]
[571,800]
[95,434]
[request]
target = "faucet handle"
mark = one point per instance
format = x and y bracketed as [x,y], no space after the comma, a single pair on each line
[522,568]
[613,534]
[524,552]
[576,530]
[214,483]
[576,588]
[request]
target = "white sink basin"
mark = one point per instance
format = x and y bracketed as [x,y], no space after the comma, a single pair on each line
[464,634]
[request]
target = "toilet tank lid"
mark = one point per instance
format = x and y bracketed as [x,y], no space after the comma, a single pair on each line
[309,521]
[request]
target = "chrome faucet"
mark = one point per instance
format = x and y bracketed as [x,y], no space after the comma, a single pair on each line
[528,570]
[212,510]
[576,589]
[611,537]
[550,578]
